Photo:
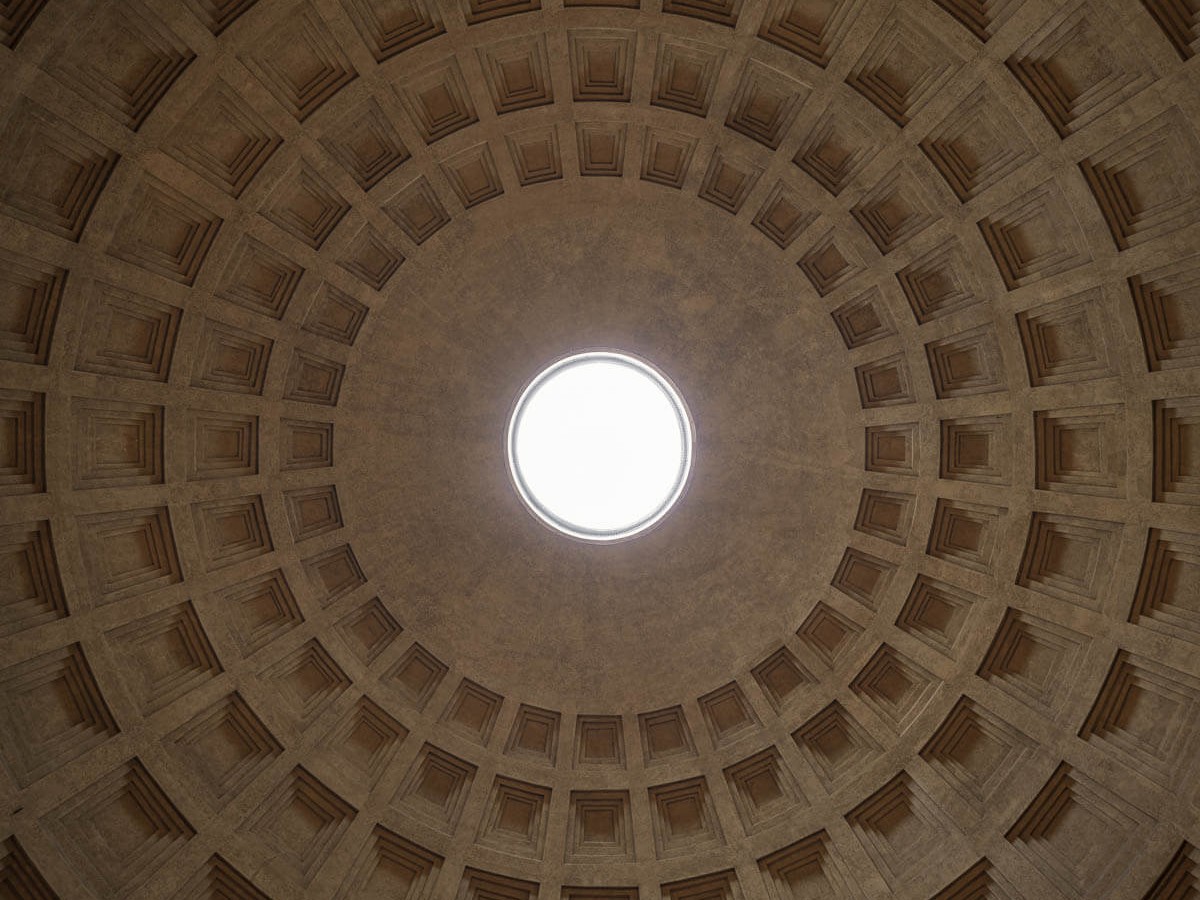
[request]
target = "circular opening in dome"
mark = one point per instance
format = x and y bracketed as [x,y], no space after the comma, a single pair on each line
[600,446]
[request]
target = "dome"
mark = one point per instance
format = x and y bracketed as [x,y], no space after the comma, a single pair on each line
[920,617]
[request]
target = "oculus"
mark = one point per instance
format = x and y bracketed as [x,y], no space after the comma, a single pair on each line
[599,446]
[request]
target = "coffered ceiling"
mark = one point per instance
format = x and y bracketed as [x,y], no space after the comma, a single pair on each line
[274,622]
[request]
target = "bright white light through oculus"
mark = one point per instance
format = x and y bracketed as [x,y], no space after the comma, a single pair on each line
[600,446]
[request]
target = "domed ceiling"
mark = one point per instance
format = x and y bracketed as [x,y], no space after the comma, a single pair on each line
[274,622]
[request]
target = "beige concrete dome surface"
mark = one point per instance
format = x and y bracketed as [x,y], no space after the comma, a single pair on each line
[274,621]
